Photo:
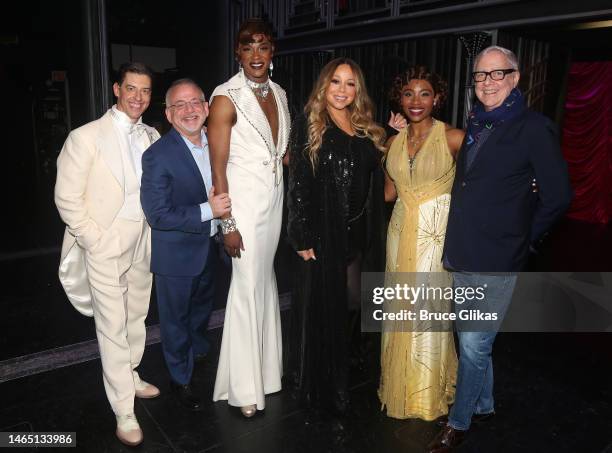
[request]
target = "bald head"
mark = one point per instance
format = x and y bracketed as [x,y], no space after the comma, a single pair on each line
[180,82]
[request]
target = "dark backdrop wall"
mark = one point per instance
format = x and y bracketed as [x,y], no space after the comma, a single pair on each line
[297,73]
[447,55]
[43,75]
[182,39]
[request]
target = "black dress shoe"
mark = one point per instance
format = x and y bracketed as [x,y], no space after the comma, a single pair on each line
[446,440]
[482,418]
[185,396]
[476,418]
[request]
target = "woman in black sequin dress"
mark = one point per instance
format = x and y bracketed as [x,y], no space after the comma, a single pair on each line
[336,225]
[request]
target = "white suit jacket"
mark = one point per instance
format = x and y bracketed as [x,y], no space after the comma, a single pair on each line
[88,196]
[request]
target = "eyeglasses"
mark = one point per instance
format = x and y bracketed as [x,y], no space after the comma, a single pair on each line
[195,104]
[497,74]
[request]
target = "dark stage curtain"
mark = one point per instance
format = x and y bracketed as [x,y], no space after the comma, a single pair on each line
[587,140]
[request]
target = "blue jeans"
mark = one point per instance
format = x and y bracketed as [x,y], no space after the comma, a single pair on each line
[474,393]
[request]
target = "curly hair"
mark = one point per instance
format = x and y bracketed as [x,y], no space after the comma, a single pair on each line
[361,109]
[419,72]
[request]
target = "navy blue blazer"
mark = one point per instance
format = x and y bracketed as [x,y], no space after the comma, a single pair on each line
[171,191]
[494,214]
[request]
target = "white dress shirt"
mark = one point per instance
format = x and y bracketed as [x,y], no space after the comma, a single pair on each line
[134,142]
[202,160]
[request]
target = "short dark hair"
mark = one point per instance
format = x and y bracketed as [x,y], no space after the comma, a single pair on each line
[251,27]
[419,72]
[136,68]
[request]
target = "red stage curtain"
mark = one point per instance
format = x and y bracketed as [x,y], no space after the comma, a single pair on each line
[587,140]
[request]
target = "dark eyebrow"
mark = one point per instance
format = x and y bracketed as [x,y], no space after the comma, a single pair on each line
[129,85]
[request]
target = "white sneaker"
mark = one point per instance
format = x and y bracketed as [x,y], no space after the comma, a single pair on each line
[145,390]
[128,430]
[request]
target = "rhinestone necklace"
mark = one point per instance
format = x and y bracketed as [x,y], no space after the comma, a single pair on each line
[260,89]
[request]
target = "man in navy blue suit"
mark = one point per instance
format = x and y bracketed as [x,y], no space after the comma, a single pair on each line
[181,206]
[494,218]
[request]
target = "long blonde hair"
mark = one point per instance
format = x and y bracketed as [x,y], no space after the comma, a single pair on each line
[361,110]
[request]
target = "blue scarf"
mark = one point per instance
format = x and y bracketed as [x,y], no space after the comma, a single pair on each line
[480,121]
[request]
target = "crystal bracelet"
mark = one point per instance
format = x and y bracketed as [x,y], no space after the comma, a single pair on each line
[228,225]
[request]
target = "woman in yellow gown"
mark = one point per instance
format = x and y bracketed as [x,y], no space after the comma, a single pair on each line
[418,368]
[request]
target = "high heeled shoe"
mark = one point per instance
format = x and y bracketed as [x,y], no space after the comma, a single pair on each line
[248,411]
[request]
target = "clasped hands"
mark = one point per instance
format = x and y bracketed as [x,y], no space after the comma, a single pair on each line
[220,204]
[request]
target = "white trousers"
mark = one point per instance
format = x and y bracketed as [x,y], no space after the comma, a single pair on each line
[251,358]
[118,271]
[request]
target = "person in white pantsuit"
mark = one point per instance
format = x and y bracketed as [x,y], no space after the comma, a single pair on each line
[106,253]
[248,131]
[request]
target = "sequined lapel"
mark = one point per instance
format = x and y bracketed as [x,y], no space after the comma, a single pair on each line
[245,101]
[284,122]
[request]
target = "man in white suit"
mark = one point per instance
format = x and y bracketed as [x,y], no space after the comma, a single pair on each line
[106,250]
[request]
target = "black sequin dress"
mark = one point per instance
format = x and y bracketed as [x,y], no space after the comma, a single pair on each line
[337,210]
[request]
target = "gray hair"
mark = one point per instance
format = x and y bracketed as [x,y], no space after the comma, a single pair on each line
[510,56]
[183,81]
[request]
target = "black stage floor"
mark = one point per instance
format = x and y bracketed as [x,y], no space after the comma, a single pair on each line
[553,394]
[553,391]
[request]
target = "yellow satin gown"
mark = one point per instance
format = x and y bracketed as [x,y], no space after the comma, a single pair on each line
[418,369]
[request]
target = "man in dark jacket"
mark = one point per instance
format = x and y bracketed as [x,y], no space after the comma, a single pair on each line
[494,218]
[181,206]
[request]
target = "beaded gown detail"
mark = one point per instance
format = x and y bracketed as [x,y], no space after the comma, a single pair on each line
[418,367]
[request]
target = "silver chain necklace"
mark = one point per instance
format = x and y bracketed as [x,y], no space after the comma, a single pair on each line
[415,142]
